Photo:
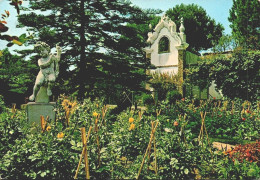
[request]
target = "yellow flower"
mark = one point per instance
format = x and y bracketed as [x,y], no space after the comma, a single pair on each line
[132,126]
[68,105]
[48,128]
[95,114]
[60,135]
[123,158]
[131,120]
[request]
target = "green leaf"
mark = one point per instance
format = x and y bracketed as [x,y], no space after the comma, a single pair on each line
[186,171]
[72,143]
[43,174]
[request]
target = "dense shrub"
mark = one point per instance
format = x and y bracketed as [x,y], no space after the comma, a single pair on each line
[237,75]
[2,104]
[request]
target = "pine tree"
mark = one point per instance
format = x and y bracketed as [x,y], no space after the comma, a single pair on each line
[102,45]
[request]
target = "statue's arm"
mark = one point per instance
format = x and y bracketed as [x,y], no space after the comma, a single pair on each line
[57,59]
[58,49]
[47,64]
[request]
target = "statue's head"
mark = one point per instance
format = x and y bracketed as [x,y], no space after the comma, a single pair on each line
[41,46]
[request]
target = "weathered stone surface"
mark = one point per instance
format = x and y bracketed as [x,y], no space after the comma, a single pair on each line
[42,96]
[36,110]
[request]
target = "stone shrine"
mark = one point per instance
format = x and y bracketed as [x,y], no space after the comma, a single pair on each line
[166,46]
[167,52]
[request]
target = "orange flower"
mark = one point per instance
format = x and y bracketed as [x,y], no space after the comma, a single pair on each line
[131,120]
[175,123]
[132,126]
[60,135]
[48,128]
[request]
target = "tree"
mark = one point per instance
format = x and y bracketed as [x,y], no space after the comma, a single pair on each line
[245,22]
[225,43]
[100,39]
[200,29]
[15,77]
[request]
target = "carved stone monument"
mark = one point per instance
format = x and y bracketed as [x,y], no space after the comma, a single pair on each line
[49,70]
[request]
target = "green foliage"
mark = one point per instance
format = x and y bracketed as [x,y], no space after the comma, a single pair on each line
[245,20]
[164,83]
[173,96]
[225,43]
[236,75]
[15,76]
[228,169]
[2,104]
[28,153]
[147,99]
[102,44]
[201,30]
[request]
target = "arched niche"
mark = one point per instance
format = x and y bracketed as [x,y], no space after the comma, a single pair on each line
[164,45]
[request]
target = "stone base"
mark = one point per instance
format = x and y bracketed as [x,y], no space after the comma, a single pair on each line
[36,110]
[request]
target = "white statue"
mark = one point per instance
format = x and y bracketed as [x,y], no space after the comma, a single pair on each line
[49,68]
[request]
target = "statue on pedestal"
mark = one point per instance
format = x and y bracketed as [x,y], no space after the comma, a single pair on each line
[49,68]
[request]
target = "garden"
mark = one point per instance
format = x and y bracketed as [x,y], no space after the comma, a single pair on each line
[98,112]
[169,141]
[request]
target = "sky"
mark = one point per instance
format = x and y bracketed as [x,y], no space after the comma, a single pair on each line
[216,9]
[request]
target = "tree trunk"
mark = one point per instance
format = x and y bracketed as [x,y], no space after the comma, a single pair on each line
[82,64]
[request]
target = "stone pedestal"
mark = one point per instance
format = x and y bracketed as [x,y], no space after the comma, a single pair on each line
[41,107]
[36,110]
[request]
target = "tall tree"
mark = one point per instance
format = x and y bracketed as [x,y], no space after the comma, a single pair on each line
[245,22]
[201,30]
[96,37]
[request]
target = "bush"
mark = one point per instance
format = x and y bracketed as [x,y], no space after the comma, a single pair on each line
[237,75]
[2,104]
[173,96]
[147,99]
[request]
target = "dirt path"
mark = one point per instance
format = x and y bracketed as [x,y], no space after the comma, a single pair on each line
[223,146]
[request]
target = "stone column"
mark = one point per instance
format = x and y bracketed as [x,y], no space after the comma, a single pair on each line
[181,68]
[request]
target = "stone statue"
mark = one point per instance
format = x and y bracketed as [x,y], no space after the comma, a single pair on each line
[49,68]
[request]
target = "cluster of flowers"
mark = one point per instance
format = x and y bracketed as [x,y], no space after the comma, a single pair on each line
[132,125]
[44,127]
